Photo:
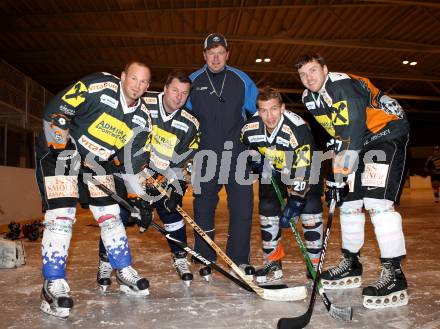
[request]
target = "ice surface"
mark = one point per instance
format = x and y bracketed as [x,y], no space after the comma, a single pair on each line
[221,304]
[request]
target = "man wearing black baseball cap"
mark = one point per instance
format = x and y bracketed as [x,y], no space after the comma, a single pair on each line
[213,40]
[222,97]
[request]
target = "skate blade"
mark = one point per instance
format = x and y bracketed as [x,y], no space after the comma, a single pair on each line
[276,276]
[135,293]
[207,278]
[187,283]
[347,283]
[59,312]
[399,298]
[103,289]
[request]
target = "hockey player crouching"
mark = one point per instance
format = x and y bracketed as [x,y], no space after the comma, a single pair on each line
[371,127]
[85,126]
[171,146]
[285,141]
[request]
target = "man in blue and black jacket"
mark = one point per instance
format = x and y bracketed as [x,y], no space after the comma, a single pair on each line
[221,98]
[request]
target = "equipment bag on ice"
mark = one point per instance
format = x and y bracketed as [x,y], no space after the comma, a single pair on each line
[11,253]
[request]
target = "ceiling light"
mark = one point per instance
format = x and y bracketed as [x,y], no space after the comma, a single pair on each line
[267,60]
[413,63]
[405,62]
[258,60]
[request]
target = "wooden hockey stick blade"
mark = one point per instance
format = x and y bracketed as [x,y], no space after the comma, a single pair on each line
[286,294]
[337,312]
[302,320]
[181,244]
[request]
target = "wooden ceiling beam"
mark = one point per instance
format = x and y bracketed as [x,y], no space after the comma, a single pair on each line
[406,3]
[387,45]
[211,8]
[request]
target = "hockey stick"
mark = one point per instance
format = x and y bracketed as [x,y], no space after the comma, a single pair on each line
[337,312]
[302,320]
[283,294]
[179,243]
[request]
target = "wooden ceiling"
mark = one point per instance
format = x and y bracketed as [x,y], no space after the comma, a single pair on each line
[57,42]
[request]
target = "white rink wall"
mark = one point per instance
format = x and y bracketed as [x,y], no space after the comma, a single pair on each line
[19,197]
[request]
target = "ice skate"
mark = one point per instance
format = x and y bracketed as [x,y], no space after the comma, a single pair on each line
[131,283]
[55,298]
[347,274]
[389,291]
[271,271]
[205,273]
[183,267]
[247,270]
[103,277]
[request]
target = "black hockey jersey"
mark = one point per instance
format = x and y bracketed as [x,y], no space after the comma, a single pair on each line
[432,165]
[94,114]
[290,146]
[352,110]
[174,138]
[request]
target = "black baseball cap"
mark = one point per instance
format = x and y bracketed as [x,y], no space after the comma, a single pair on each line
[213,40]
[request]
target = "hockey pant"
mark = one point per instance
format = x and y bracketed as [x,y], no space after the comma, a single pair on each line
[387,226]
[270,211]
[58,183]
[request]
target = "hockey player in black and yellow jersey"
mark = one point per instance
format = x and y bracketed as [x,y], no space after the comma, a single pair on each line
[370,139]
[286,144]
[171,146]
[85,127]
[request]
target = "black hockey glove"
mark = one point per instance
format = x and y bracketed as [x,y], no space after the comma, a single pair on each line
[293,210]
[175,199]
[143,215]
[334,145]
[336,190]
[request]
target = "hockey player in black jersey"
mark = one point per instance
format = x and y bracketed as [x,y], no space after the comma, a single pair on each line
[85,127]
[171,146]
[432,168]
[286,145]
[370,134]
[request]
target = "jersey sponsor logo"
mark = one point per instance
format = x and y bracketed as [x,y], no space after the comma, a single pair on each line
[191,118]
[377,136]
[163,142]
[336,76]
[251,126]
[150,100]
[139,121]
[326,123]
[110,130]
[282,141]
[194,145]
[326,97]
[99,150]
[295,118]
[180,125]
[293,141]
[257,138]
[154,113]
[95,87]
[303,156]
[107,181]
[159,163]
[61,187]
[66,110]
[310,105]
[340,114]
[276,157]
[110,101]
[375,174]
[75,95]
